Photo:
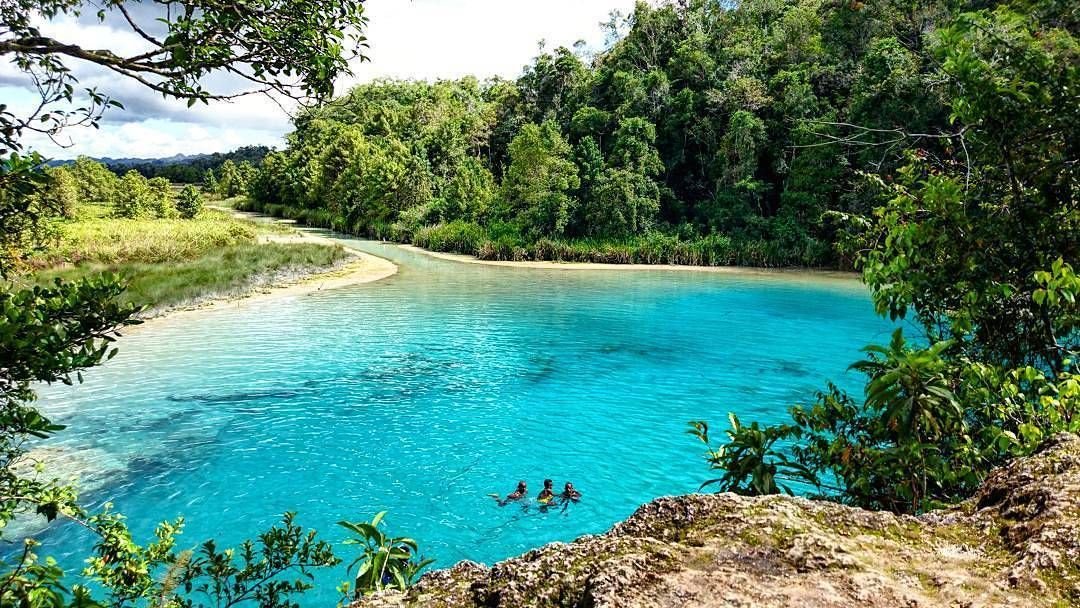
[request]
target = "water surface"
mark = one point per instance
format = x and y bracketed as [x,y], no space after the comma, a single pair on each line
[424,392]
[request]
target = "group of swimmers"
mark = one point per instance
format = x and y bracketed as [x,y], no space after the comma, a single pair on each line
[545,497]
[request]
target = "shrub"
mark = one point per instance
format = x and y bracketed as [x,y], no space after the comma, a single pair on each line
[457,236]
[161,197]
[385,562]
[190,203]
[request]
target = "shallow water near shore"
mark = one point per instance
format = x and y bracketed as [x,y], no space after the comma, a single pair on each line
[424,392]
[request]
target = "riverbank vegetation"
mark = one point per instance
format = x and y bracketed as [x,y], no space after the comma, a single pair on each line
[978,241]
[163,244]
[703,134]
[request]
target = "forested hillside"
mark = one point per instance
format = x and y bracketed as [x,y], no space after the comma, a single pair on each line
[703,134]
[188,169]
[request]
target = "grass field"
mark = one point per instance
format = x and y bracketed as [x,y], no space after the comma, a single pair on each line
[167,262]
[92,236]
[221,272]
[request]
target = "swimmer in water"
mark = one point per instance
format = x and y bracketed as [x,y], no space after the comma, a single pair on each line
[547,494]
[517,494]
[570,493]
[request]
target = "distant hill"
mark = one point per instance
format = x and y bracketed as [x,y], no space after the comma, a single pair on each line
[177,159]
[181,168]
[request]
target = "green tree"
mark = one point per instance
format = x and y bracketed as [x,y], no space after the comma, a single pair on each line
[161,197]
[62,191]
[270,179]
[625,198]
[622,203]
[590,163]
[742,144]
[591,122]
[134,198]
[245,171]
[634,148]
[230,182]
[96,183]
[469,193]
[210,183]
[189,203]
[538,182]
[310,43]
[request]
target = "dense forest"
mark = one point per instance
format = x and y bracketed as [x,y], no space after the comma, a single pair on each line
[698,136]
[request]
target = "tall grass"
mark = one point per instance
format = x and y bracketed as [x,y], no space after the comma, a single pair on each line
[94,237]
[654,248]
[222,272]
[171,261]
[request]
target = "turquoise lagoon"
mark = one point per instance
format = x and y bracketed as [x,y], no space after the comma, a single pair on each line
[424,392]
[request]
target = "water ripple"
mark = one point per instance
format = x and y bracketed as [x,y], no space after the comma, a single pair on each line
[425,392]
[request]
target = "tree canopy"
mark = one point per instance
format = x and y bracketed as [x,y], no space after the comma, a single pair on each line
[976,237]
[723,131]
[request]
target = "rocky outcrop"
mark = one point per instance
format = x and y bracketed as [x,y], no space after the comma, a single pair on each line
[1016,543]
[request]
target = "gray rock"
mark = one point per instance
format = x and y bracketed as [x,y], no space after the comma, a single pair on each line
[1016,543]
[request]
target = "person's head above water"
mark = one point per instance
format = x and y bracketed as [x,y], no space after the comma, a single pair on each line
[521,486]
[569,487]
[548,483]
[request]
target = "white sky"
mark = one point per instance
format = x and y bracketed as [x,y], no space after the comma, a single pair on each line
[421,39]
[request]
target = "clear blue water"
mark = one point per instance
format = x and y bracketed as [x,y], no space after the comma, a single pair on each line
[422,393]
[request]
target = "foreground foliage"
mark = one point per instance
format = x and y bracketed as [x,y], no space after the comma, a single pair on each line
[385,562]
[979,245]
[54,332]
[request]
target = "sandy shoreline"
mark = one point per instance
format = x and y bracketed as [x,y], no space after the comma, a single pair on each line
[364,267]
[360,268]
[550,265]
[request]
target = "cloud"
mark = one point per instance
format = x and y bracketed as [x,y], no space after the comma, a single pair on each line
[417,39]
[155,138]
[453,38]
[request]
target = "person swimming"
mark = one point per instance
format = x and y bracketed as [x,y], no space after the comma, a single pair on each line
[547,494]
[517,494]
[570,493]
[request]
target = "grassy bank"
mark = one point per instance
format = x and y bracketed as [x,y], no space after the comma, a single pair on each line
[167,262]
[222,272]
[94,237]
[502,243]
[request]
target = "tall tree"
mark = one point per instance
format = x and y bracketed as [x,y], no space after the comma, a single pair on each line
[539,180]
